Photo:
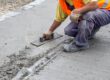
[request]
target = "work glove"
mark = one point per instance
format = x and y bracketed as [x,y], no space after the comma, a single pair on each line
[48,35]
[75,17]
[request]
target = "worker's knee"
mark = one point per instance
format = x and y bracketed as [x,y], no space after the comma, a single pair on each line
[66,31]
[89,16]
[70,32]
[83,27]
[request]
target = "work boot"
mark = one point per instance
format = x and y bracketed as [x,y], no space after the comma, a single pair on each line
[72,47]
[93,34]
[68,41]
[91,37]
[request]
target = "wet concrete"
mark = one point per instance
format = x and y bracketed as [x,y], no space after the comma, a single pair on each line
[26,58]
[19,31]
[90,64]
[15,64]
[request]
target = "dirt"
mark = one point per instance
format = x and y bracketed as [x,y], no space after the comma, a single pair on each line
[10,5]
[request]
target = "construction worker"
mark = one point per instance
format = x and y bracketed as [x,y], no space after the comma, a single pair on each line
[87,16]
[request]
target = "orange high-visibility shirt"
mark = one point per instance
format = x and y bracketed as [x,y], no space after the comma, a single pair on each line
[60,14]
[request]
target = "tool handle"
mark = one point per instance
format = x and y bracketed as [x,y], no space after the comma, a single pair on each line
[42,39]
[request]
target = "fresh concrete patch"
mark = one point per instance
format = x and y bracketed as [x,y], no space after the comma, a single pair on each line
[25,73]
[26,58]
[90,64]
[16,62]
[46,53]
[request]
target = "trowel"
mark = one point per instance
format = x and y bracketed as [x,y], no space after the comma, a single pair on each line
[42,40]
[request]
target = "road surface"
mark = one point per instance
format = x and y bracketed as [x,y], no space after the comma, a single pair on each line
[19,31]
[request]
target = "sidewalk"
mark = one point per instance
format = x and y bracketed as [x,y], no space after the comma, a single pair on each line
[91,64]
[17,32]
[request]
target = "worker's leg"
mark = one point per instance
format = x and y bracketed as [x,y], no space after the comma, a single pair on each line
[94,31]
[71,29]
[91,21]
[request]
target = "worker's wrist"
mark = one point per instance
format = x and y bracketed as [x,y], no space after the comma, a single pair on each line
[77,11]
[50,31]
[75,17]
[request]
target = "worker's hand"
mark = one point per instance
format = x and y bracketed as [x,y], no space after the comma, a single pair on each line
[76,11]
[47,35]
[75,16]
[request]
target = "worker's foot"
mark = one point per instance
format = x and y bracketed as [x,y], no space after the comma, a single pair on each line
[68,41]
[91,37]
[72,47]
[93,34]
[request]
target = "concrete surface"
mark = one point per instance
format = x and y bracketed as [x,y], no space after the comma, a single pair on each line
[19,31]
[91,64]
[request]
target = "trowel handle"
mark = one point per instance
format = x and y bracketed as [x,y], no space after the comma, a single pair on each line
[52,36]
[41,39]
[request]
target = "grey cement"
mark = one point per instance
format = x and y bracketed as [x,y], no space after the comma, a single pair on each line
[90,64]
[19,31]
[15,64]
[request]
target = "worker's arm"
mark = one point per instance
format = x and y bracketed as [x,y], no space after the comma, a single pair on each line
[54,25]
[59,18]
[77,13]
[88,7]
